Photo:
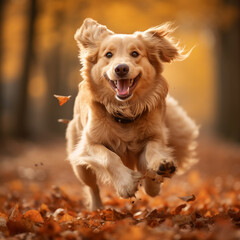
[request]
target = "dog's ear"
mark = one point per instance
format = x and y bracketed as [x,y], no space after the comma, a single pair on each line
[90,33]
[158,39]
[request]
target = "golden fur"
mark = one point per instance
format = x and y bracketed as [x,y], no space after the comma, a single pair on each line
[160,134]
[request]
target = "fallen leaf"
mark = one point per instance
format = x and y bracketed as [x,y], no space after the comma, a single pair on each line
[34,216]
[181,219]
[179,208]
[3,222]
[15,214]
[58,213]
[70,234]
[62,99]
[154,222]
[140,215]
[44,209]
[15,222]
[215,214]
[188,198]
[65,121]
[50,228]
[111,215]
[66,218]
[58,193]
[3,216]
[156,214]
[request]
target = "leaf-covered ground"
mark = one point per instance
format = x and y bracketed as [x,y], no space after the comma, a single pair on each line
[40,198]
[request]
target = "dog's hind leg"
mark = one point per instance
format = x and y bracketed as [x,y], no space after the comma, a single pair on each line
[88,177]
[151,187]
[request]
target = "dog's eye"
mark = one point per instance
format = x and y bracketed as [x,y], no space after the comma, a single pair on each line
[134,54]
[109,55]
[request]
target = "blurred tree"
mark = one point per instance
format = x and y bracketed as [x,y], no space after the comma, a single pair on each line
[21,115]
[45,49]
[2,5]
[53,67]
[228,112]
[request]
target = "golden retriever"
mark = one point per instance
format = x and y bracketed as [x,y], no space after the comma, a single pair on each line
[125,123]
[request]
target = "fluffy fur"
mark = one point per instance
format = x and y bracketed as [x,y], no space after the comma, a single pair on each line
[159,136]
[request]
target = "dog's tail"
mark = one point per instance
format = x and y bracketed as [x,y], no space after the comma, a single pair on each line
[183,132]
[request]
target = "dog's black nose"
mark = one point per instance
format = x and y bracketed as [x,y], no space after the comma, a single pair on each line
[122,70]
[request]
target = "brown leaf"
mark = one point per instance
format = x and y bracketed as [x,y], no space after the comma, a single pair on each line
[140,215]
[15,222]
[65,121]
[188,198]
[50,228]
[3,216]
[3,222]
[111,215]
[179,208]
[58,193]
[62,99]
[34,216]
[44,209]
[181,219]
[58,214]
[66,218]
[154,222]
[94,223]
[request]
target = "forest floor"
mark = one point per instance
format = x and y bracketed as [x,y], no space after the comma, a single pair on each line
[40,198]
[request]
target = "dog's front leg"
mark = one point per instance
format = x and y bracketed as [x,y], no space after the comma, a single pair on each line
[99,158]
[158,158]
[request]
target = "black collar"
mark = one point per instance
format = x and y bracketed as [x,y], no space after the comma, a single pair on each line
[124,120]
[119,118]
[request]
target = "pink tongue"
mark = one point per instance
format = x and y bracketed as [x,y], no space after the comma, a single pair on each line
[122,86]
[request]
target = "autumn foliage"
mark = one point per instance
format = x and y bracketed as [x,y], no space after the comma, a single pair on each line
[62,99]
[59,215]
[202,204]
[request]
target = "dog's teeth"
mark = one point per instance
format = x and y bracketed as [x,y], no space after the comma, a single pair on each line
[115,82]
[128,90]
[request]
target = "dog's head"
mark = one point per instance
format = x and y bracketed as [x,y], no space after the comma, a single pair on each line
[125,67]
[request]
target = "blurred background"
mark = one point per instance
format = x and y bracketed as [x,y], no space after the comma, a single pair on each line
[38,58]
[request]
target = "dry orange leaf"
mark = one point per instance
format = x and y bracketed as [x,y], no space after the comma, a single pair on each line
[3,222]
[66,218]
[15,221]
[65,121]
[179,208]
[188,198]
[15,215]
[140,214]
[34,216]
[50,227]
[62,99]
[44,208]
[3,215]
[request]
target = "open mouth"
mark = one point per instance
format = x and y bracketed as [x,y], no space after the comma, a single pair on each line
[124,87]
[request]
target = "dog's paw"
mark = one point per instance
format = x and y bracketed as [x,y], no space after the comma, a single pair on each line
[167,169]
[127,186]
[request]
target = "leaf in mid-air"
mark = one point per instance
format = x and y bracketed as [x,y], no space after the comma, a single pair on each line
[62,99]
[188,198]
[65,121]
